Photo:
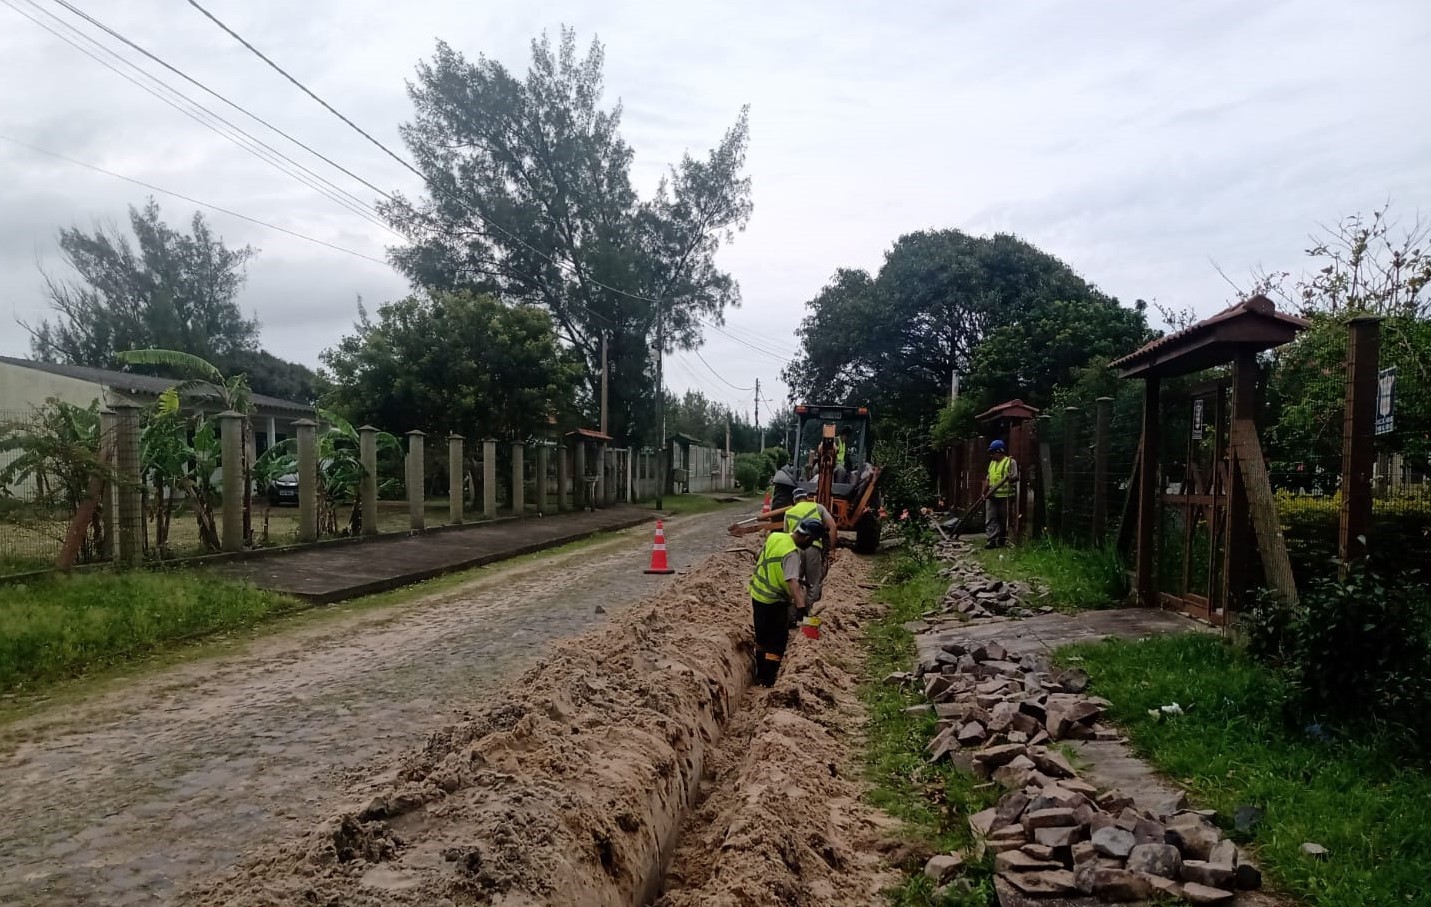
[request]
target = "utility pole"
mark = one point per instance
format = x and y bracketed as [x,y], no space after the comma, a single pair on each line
[725,480]
[953,386]
[604,381]
[757,415]
[660,406]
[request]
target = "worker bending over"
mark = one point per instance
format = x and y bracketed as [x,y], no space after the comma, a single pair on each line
[774,587]
[815,560]
[1000,486]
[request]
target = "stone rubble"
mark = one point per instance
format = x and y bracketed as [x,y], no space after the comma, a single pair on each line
[974,594]
[1053,834]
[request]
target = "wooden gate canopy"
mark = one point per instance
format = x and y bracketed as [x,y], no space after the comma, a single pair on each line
[1235,335]
[1251,326]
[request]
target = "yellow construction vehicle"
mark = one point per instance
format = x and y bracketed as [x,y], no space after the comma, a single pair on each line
[848,487]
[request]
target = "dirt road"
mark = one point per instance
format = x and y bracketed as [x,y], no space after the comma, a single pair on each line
[125,798]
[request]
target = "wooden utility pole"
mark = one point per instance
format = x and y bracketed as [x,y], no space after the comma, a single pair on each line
[660,407]
[757,415]
[604,382]
[1358,437]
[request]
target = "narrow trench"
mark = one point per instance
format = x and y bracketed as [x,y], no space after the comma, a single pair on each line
[699,787]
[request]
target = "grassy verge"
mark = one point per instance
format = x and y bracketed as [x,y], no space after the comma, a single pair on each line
[934,801]
[62,626]
[1078,579]
[1232,747]
[686,504]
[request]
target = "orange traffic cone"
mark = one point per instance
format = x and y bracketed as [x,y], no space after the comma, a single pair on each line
[658,552]
[765,507]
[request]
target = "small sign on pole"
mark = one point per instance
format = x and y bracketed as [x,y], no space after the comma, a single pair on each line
[1386,401]
[1198,418]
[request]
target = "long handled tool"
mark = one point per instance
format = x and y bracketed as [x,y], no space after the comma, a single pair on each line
[956,525]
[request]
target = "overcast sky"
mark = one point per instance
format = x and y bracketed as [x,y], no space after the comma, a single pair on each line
[1141,142]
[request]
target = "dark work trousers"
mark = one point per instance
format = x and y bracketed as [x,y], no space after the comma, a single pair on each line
[772,633]
[996,520]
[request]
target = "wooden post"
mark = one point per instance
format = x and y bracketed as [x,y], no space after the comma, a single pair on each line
[1358,438]
[231,464]
[1068,493]
[578,475]
[1103,418]
[307,480]
[1236,534]
[455,472]
[1146,580]
[368,458]
[1256,489]
[416,479]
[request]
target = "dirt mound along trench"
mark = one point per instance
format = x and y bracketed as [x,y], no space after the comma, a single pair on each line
[781,820]
[566,790]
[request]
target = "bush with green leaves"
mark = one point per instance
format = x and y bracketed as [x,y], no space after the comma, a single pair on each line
[778,456]
[1355,653]
[753,471]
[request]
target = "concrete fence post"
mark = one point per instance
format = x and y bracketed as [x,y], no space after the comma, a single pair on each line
[455,474]
[578,476]
[539,490]
[600,471]
[519,504]
[368,456]
[489,478]
[415,477]
[108,432]
[231,450]
[130,514]
[307,480]
[563,477]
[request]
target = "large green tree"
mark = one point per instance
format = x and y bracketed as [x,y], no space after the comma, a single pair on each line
[453,362]
[529,195]
[158,287]
[1013,320]
[167,289]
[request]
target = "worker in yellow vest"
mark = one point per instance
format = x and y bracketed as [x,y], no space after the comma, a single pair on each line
[814,560]
[1001,485]
[773,588]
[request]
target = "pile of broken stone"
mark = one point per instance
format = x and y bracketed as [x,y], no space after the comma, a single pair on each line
[974,594]
[1053,834]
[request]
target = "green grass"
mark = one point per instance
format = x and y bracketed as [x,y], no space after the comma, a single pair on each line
[62,626]
[933,801]
[687,504]
[1078,579]
[1232,747]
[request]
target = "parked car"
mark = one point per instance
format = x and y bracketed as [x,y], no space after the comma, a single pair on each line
[284,490]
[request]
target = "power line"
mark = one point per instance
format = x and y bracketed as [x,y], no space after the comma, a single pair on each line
[236,106]
[194,201]
[718,374]
[198,112]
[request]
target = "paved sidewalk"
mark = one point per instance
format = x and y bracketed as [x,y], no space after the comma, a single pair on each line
[341,570]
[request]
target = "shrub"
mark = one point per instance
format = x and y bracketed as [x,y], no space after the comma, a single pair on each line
[1356,652]
[753,471]
[778,457]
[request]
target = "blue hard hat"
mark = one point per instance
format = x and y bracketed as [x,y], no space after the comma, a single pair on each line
[813,527]
[996,445]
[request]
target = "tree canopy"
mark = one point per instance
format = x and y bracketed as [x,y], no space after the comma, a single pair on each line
[529,196]
[1014,321]
[164,289]
[453,362]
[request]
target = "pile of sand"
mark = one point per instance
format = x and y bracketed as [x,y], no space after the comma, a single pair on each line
[571,786]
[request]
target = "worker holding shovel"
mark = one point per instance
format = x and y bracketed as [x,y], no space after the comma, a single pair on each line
[1000,487]
[774,587]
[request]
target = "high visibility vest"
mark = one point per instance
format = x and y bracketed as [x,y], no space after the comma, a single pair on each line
[799,511]
[767,583]
[998,471]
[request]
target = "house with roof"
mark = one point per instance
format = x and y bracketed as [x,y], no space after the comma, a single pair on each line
[26,384]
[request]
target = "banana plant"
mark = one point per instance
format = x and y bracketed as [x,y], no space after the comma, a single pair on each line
[57,452]
[340,470]
[178,453]
[232,392]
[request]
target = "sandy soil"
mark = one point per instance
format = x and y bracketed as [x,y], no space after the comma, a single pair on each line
[133,794]
[572,786]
